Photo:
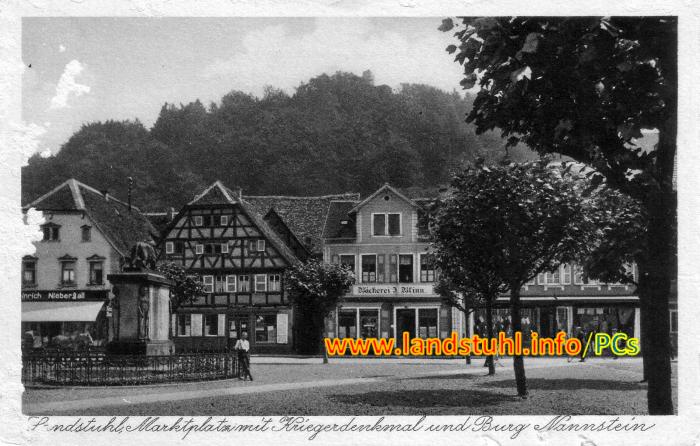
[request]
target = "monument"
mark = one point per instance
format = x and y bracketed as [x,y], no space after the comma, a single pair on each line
[141,307]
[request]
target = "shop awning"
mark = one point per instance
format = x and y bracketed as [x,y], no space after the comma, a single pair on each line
[60,311]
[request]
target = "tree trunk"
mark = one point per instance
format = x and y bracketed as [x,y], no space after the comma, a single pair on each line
[655,273]
[642,344]
[489,336]
[518,363]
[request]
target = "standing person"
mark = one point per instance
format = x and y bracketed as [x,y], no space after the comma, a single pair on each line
[242,347]
[583,334]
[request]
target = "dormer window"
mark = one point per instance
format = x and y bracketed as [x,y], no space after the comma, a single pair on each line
[85,232]
[386,224]
[51,232]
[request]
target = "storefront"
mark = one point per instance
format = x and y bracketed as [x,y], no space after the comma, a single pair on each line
[65,319]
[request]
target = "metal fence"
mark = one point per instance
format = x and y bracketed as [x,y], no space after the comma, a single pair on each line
[100,369]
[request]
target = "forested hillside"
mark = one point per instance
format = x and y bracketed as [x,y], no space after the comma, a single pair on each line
[335,134]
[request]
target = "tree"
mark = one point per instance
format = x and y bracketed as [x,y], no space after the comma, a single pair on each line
[314,289]
[187,288]
[585,87]
[507,224]
[466,292]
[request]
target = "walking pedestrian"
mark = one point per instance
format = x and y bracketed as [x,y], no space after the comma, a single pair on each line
[242,348]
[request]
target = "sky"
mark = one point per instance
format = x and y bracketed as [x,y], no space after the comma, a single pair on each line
[80,70]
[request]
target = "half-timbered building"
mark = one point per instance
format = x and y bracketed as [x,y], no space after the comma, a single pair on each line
[240,247]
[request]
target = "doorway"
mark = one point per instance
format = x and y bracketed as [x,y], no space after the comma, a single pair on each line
[237,325]
[405,322]
[548,324]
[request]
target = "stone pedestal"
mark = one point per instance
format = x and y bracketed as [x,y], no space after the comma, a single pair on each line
[142,312]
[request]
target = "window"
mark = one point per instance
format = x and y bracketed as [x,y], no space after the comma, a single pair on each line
[674,321]
[347,323]
[224,248]
[174,247]
[231,284]
[206,220]
[85,233]
[427,268]
[199,248]
[261,245]
[348,261]
[51,232]
[223,220]
[96,273]
[427,323]
[260,283]
[198,220]
[566,274]
[274,282]
[29,272]
[581,279]
[219,284]
[405,268]
[369,323]
[67,272]
[386,224]
[208,282]
[552,278]
[266,328]
[184,324]
[215,248]
[369,268]
[211,325]
[244,284]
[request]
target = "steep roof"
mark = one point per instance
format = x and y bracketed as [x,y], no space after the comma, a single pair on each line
[305,216]
[122,227]
[339,223]
[218,194]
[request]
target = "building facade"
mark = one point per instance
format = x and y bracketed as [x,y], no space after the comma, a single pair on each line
[240,247]
[65,292]
[381,240]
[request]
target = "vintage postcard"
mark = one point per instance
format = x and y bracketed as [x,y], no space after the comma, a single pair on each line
[350,222]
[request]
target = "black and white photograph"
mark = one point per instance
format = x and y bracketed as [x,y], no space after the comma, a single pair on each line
[459,225]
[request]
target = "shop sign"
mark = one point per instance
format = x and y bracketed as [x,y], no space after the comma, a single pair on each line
[392,290]
[62,295]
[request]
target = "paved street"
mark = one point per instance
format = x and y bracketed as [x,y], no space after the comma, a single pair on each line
[371,386]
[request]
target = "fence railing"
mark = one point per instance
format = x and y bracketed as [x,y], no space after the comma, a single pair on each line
[100,369]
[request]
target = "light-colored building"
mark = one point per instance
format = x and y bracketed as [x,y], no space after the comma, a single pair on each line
[86,234]
[382,240]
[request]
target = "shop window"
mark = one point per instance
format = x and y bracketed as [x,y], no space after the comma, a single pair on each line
[348,260]
[369,268]
[184,324]
[85,233]
[260,283]
[96,273]
[347,323]
[244,284]
[51,232]
[405,268]
[211,325]
[386,224]
[427,268]
[266,328]
[29,272]
[67,272]
[231,283]
[369,323]
[274,282]
[427,323]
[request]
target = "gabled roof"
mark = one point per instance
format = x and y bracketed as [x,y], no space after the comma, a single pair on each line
[120,226]
[304,216]
[217,193]
[384,188]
